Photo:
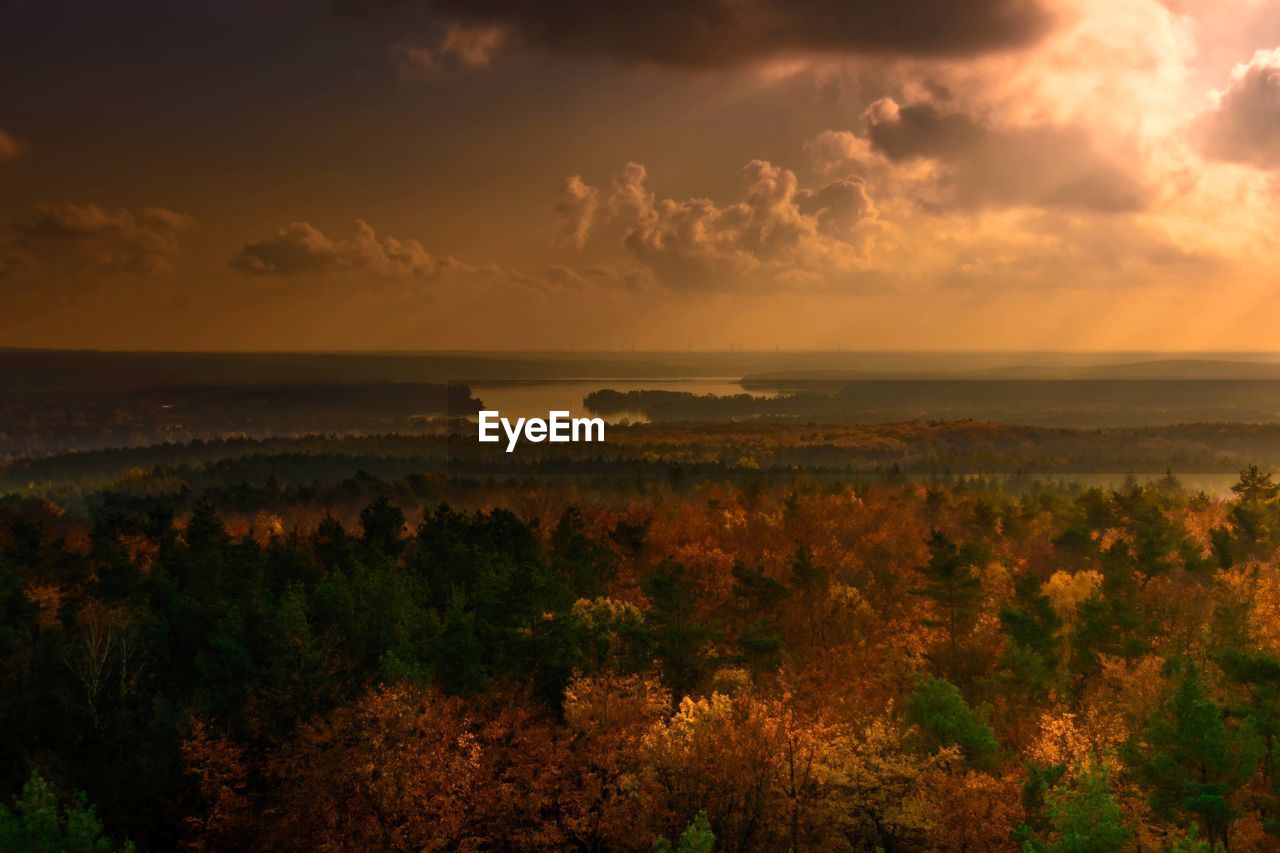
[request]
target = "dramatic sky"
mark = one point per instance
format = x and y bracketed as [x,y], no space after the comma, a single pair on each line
[427,174]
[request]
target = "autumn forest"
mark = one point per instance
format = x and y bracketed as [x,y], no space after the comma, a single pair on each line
[928,355]
[696,664]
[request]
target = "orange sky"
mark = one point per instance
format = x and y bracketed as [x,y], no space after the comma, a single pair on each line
[371,174]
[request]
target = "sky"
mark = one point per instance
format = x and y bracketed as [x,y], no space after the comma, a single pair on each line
[707,174]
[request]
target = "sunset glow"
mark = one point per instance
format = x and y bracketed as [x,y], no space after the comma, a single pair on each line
[1057,174]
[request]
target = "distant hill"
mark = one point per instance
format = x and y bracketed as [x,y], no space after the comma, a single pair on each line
[1163,369]
[31,371]
[1076,402]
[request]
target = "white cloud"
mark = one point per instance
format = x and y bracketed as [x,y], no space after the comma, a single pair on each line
[577,207]
[778,235]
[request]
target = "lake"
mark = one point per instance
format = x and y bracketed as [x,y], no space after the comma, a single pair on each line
[534,398]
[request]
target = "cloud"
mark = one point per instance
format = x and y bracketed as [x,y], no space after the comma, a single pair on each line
[81,236]
[959,161]
[852,233]
[577,208]
[460,46]
[14,262]
[838,207]
[1243,126]
[837,149]
[415,61]
[779,235]
[300,248]
[715,33]
[10,147]
[1050,251]
[563,276]
[475,47]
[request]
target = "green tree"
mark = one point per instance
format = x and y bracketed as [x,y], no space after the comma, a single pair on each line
[1111,620]
[205,532]
[40,823]
[1256,678]
[942,717]
[811,582]
[1253,512]
[17,611]
[951,583]
[585,564]
[757,603]
[1085,816]
[680,635]
[382,523]
[1031,625]
[756,594]
[461,665]
[1192,760]
[696,838]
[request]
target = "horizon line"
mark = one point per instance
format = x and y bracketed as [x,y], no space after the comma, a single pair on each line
[657,351]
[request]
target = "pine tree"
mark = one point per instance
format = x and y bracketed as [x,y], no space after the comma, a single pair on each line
[696,838]
[383,523]
[952,585]
[1085,817]
[680,636]
[461,663]
[1193,762]
[944,719]
[586,565]
[40,823]
[1253,512]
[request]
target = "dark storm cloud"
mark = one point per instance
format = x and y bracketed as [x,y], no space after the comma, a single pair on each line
[982,165]
[922,130]
[718,33]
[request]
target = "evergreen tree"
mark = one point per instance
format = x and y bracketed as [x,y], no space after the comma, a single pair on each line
[696,838]
[1031,624]
[1085,817]
[584,564]
[1254,510]
[460,663]
[758,600]
[952,585]
[938,710]
[806,575]
[1256,676]
[1192,760]
[382,524]
[40,823]
[680,635]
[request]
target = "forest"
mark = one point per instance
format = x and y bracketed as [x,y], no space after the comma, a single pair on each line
[1108,402]
[921,485]
[51,422]
[323,472]
[703,664]
[54,402]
